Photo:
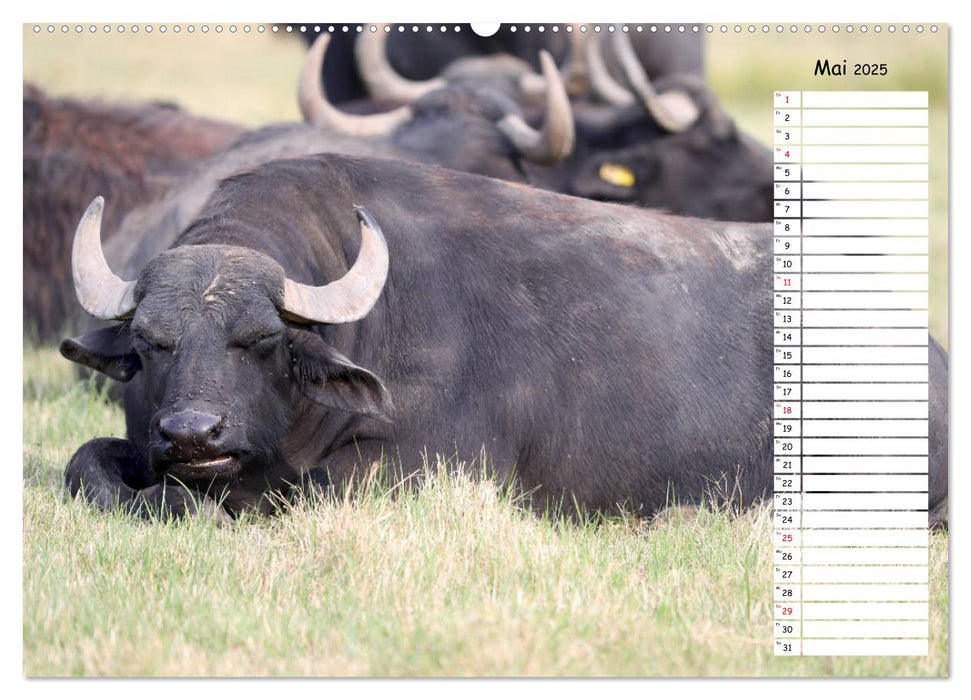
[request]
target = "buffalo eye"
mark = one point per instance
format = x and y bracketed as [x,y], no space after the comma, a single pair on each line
[260,343]
[144,343]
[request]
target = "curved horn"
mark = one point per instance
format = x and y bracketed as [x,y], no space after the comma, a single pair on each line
[352,296]
[674,110]
[381,79]
[576,74]
[532,85]
[101,293]
[604,85]
[317,110]
[555,140]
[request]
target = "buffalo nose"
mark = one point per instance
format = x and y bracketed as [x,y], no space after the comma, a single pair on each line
[190,431]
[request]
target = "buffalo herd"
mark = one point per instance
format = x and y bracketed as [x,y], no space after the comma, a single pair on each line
[548,253]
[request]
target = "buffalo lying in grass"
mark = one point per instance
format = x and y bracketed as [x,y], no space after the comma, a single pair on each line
[604,356]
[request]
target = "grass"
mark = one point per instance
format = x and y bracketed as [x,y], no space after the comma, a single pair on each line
[247,78]
[454,578]
[451,579]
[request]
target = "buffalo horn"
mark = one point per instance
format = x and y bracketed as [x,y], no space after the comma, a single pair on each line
[603,84]
[576,73]
[101,293]
[352,296]
[554,141]
[370,52]
[674,110]
[317,110]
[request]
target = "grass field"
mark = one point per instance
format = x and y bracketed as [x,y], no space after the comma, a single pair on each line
[450,579]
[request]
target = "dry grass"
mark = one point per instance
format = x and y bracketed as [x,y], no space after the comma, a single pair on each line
[450,579]
[248,78]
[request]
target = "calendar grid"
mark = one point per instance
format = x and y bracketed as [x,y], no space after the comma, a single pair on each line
[851,374]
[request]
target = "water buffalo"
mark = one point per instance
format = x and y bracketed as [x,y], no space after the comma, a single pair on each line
[450,119]
[464,127]
[423,56]
[76,149]
[606,355]
[662,143]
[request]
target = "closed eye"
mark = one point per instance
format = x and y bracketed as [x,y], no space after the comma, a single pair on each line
[145,344]
[258,341]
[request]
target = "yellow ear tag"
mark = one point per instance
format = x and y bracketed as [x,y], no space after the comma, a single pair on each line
[617,175]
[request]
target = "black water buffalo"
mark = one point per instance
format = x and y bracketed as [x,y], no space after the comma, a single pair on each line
[711,170]
[464,127]
[77,149]
[423,56]
[661,143]
[606,355]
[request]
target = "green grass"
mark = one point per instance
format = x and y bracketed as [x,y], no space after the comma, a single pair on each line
[453,578]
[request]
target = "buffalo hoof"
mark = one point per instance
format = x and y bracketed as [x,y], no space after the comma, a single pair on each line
[174,501]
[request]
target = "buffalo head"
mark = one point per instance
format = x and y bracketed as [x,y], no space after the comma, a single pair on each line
[220,339]
[665,144]
[460,115]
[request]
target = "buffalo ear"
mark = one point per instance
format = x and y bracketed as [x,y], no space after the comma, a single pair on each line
[108,350]
[328,378]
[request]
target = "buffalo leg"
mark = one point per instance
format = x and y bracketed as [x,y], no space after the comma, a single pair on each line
[109,474]
[97,473]
[353,463]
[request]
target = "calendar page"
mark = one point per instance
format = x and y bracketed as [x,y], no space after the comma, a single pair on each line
[514,350]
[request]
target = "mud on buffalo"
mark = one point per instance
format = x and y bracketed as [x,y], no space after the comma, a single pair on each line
[325,313]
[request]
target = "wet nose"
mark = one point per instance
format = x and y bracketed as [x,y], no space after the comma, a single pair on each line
[190,432]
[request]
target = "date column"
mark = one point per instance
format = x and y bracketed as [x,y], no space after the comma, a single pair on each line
[865,373]
[787,373]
